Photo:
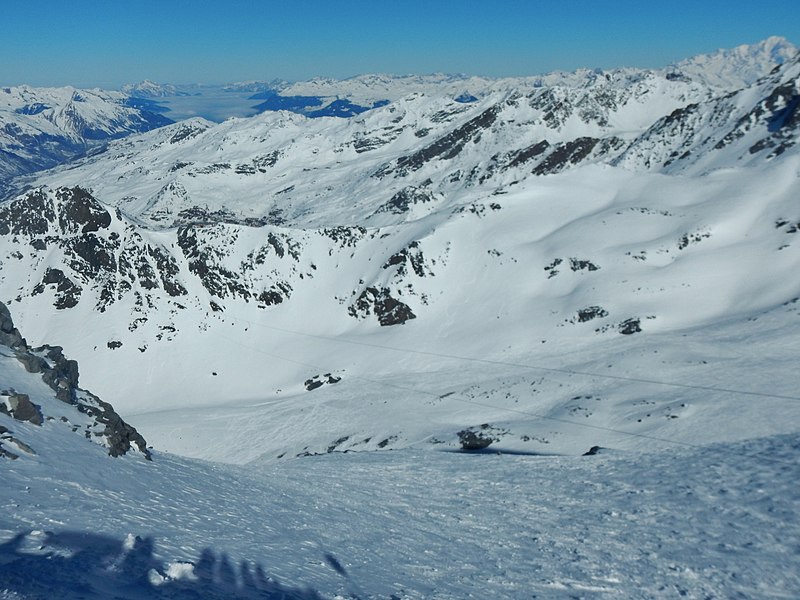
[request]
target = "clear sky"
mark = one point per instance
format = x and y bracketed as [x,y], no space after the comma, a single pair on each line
[110,42]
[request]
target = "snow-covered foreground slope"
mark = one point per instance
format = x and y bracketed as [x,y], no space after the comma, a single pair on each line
[718,521]
[686,520]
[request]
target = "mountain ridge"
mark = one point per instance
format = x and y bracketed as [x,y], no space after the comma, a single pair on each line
[309,269]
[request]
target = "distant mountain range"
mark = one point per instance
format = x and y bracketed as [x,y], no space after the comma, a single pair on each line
[43,127]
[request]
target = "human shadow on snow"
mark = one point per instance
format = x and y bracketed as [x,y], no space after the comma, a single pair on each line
[71,565]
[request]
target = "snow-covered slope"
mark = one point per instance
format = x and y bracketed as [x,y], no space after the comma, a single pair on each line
[738,67]
[151,89]
[563,319]
[599,270]
[42,127]
[753,125]
[718,521]
[713,520]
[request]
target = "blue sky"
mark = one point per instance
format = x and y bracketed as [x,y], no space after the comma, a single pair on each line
[111,42]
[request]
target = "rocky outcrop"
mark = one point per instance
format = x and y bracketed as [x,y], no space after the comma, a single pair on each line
[446,147]
[22,409]
[9,336]
[319,380]
[61,375]
[379,302]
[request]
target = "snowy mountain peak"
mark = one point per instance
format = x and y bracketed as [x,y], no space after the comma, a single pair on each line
[42,127]
[150,89]
[738,67]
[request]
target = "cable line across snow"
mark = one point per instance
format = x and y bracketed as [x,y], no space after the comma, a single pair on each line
[457,398]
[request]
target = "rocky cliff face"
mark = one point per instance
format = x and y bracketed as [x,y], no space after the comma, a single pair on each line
[78,409]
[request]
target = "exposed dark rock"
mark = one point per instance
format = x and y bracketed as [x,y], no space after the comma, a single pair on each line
[412,255]
[630,326]
[22,409]
[566,154]
[551,269]
[276,294]
[80,212]
[186,131]
[120,435]
[266,161]
[367,144]
[168,270]
[474,440]
[7,454]
[337,443]
[593,451]
[9,336]
[319,380]
[91,254]
[526,154]
[577,264]
[29,215]
[446,147]
[68,293]
[692,238]
[379,302]
[61,375]
[405,199]
[276,244]
[383,443]
[591,312]
[31,362]
[217,279]
[345,236]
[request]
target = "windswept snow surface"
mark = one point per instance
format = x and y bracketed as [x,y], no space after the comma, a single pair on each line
[719,521]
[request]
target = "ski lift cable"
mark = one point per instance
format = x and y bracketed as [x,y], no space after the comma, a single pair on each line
[533,367]
[457,397]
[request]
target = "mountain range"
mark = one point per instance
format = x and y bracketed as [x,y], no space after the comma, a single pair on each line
[526,227]
[587,266]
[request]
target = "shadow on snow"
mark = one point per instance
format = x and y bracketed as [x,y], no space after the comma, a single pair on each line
[72,565]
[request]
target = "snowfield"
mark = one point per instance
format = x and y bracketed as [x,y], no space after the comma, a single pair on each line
[717,521]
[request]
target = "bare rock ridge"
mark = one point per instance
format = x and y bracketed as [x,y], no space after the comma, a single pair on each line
[61,375]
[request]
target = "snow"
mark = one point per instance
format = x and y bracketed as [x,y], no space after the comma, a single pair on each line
[717,521]
[521,287]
